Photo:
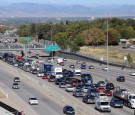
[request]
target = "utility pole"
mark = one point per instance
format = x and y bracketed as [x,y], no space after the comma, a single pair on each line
[107,52]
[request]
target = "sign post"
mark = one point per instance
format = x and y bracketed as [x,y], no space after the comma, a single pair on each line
[27,39]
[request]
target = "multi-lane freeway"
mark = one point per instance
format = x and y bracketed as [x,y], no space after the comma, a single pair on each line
[54,106]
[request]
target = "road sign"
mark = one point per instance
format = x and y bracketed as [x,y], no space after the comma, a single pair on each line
[50,48]
[27,39]
[125,58]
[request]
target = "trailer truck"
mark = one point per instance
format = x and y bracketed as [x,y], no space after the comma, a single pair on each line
[126,97]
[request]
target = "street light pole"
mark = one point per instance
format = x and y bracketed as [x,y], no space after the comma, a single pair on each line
[52,44]
[107,52]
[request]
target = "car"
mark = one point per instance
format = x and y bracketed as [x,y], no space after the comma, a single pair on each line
[120,79]
[15,85]
[40,73]
[33,71]
[101,83]
[68,73]
[33,101]
[16,79]
[100,89]
[51,78]
[58,80]
[89,99]
[78,93]
[64,59]
[102,105]
[108,92]
[92,91]
[47,75]
[124,47]
[83,66]
[85,89]
[69,88]
[74,82]
[102,96]
[78,62]
[94,86]
[72,66]
[132,73]
[48,60]
[62,85]
[116,103]
[110,86]
[86,78]
[105,68]
[91,67]
[68,110]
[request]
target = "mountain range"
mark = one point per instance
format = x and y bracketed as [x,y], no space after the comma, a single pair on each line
[48,10]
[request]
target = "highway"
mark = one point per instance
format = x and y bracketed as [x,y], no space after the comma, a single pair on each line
[47,105]
[98,74]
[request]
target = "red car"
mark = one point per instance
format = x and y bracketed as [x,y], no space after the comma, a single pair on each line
[51,78]
[108,92]
[100,89]
[45,76]
[74,82]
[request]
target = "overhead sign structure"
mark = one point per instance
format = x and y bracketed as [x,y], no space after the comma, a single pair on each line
[50,48]
[27,39]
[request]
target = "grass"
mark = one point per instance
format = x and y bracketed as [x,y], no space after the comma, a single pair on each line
[113,54]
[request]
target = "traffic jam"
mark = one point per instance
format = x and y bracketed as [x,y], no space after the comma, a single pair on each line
[103,95]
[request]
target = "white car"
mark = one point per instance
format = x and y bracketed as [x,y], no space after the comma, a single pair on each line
[70,88]
[85,89]
[102,105]
[105,68]
[40,74]
[132,73]
[102,96]
[78,62]
[33,101]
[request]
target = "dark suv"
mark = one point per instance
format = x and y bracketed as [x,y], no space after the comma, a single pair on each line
[120,78]
[110,86]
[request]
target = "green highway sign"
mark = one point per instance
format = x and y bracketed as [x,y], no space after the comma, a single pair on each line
[50,48]
[27,39]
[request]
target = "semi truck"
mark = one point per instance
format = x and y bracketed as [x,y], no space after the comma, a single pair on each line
[45,67]
[128,98]
[57,71]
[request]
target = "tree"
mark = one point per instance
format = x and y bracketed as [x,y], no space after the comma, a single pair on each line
[94,36]
[113,36]
[129,58]
[127,32]
[79,40]
[61,39]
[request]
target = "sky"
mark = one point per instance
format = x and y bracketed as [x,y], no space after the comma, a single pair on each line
[73,2]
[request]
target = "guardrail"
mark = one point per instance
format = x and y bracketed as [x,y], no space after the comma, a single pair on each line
[75,56]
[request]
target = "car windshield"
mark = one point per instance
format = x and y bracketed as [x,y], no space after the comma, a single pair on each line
[102,94]
[15,83]
[133,97]
[104,103]
[58,73]
[70,109]
[117,101]
[33,98]
[78,72]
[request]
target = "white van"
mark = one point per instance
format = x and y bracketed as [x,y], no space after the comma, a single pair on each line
[57,71]
[102,105]
[77,72]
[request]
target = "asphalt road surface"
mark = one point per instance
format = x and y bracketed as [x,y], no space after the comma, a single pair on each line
[98,74]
